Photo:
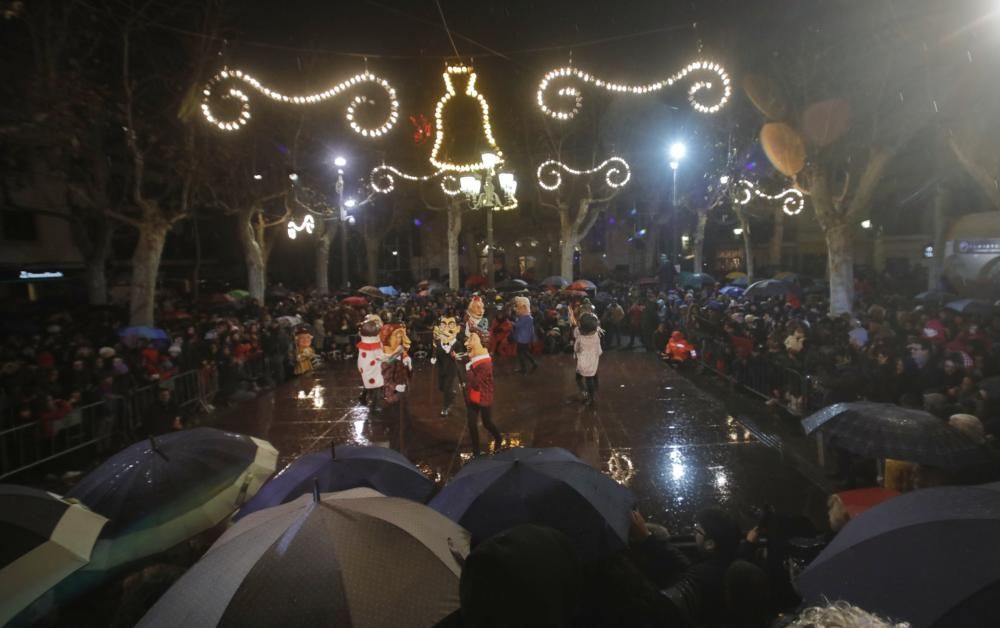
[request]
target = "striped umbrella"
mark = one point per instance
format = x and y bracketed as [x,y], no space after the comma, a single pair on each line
[349,559]
[45,539]
[161,492]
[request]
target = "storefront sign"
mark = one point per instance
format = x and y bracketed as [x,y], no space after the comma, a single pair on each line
[25,274]
[970,247]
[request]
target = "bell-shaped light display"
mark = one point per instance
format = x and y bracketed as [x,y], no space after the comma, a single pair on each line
[469,185]
[508,183]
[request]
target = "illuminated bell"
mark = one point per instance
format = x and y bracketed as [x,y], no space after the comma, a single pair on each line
[457,146]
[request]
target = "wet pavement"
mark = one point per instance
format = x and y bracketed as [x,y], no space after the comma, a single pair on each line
[674,443]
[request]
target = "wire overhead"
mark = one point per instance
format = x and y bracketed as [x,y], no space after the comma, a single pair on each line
[444,22]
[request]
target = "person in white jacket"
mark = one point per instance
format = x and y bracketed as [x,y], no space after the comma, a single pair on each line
[587,350]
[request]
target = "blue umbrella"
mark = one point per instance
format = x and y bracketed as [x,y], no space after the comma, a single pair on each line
[740,282]
[160,492]
[732,291]
[153,334]
[383,469]
[930,557]
[549,487]
[388,291]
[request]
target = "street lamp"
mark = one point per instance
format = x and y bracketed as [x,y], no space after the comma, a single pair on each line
[677,152]
[481,193]
[340,162]
[350,203]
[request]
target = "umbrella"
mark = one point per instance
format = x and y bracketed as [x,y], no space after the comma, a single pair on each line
[344,467]
[549,487]
[352,559]
[354,301]
[930,557]
[474,280]
[582,284]
[45,539]
[971,306]
[786,276]
[695,280]
[512,285]
[153,334]
[768,288]
[434,287]
[608,284]
[735,275]
[238,295]
[388,291]
[732,291]
[371,292]
[163,491]
[884,430]
[289,321]
[935,296]
[859,500]
[555,281]
[423,284]
[602,297]
[573,293]
[740,282]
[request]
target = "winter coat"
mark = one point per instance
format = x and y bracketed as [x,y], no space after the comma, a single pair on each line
[479,380]
[587,349]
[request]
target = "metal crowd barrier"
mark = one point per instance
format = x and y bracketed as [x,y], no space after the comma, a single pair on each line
[104,425]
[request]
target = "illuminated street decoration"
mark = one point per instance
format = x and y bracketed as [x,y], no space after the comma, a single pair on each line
[792,199]
[308,225]
[383,178]
[574,97]
[616,173]
[229,77]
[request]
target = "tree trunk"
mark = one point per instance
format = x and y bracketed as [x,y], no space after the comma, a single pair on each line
[97,281]
[145,267]
[371,260]
[699,240]
[567,244]
[840,266]
[95,270]
[491,273]
[777,238]
[936,267]
[254,258]
[748,247]
[454,231]
[323,261]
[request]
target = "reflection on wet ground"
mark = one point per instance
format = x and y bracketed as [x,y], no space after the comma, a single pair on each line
[652,430]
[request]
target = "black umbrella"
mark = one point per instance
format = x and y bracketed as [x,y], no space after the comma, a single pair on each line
[45,539]
[930,557]
[935,296]
[549,487]
[354,559]
[768,288]
[512,285]
[970,306]
[884,430]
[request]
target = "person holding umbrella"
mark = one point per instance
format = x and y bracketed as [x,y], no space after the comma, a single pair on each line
[479,390]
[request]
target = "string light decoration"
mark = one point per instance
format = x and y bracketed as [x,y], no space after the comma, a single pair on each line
[616,173]
[470,90]
[308,225]
[574,97]
[792,199]
[383,178]
[227,76]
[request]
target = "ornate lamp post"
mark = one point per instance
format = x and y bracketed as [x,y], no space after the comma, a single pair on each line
[481,192]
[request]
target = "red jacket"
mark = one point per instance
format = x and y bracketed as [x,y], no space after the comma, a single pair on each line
[479,381]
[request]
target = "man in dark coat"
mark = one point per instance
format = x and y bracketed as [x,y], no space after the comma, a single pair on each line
[448,338]
[479,390]
[163,417]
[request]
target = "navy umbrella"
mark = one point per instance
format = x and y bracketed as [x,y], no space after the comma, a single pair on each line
[160,492]
[732,291]
[512,285]
[930,557]
[971,306]
[884,430]
[344,467]
[768,288]
[555,281]
[549,487]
